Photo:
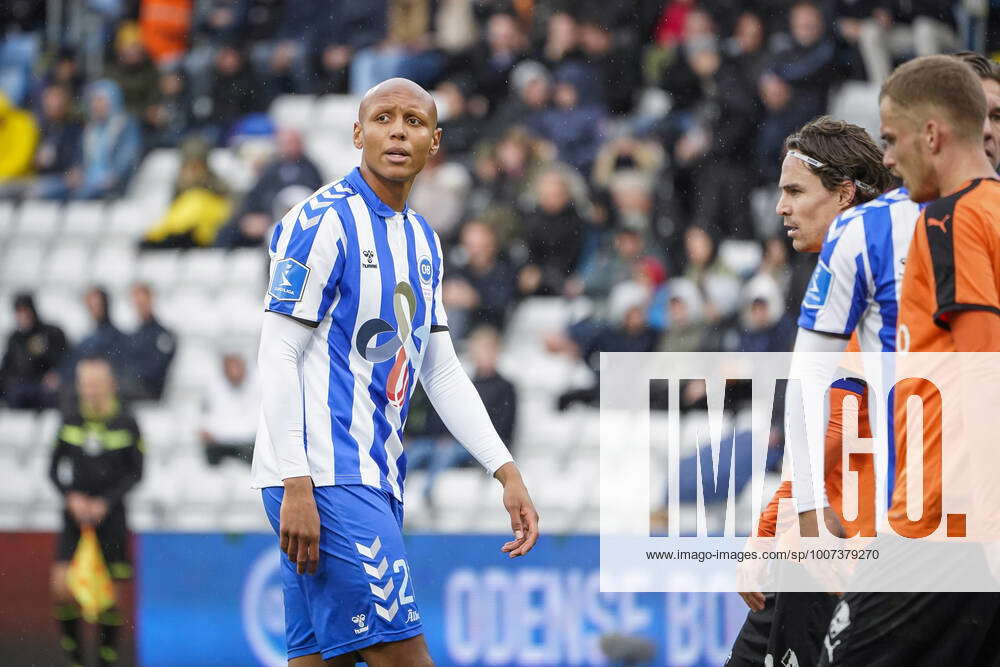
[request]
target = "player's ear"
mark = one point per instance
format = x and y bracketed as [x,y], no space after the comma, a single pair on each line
[357,135]
[846,194]
[435,141]
[932,135]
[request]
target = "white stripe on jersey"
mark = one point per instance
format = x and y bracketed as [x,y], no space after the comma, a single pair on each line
[369,306]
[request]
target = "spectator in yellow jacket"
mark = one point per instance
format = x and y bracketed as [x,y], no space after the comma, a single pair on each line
[19,137]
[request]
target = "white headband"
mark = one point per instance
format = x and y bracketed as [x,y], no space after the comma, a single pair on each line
[816,163]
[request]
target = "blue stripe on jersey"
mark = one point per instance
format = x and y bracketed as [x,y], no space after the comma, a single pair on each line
[849,384]
[435,262]
[890,483]
[418,318]
[380,371]
[274,237]
[340,396]
[860,300]
[881,259]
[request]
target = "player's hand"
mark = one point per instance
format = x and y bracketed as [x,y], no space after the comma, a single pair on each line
[299,524]
[809,527]
[78,506]
[754,600]
[523,515]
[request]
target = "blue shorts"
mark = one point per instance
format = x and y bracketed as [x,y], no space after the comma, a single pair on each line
[361,594]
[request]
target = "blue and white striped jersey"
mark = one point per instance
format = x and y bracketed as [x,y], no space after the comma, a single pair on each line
[855,285]
[370,278]
[855,289]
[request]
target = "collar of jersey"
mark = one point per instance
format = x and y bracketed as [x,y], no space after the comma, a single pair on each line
[380,208]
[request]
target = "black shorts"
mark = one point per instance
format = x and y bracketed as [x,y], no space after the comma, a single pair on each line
[113,535]
[889,629]
[799,624]
[750,646]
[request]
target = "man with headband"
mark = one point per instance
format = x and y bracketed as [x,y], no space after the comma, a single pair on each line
[832,173]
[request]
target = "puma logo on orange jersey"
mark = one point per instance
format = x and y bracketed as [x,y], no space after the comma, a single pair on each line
[934,222]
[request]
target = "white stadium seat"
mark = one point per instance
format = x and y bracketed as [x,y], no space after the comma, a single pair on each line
[19,429]
[204,267]
[22,263]
[293,111]
[192,311]
[159,168]
[68,263]
[130,218]
[159,268]
[337,112]
[158,428]
[231,169]
[6,217]
[65,306]
[114,264]
[41,219]
[85,218]
[247,268]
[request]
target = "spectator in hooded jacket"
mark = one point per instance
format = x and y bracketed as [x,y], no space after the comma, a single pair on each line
[112,143]
[35,350]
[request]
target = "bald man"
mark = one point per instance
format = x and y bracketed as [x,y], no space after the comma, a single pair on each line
[354,317]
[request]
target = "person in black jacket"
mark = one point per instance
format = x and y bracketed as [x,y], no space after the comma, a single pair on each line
[97,459]
[60,147]
[151,349]
[28,372]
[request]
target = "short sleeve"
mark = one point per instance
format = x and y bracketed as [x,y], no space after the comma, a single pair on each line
[964,260]
[307,262]
[439,319]
[838,292]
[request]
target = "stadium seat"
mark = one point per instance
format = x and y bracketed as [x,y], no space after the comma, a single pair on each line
[857,102]
[293,111]
[242,312]
[69,263]
[48,423]
[114,264]
[203,268]
[335,155]
[22,263]
[65,306]
[337,113]
[234,171]
[86,219]
[19,430]
[7,323]
[248,268]
[192,311]
[159,168]
[39,219]
[158,428]
[130,218]
[159,268]
[192,366]
[6,218]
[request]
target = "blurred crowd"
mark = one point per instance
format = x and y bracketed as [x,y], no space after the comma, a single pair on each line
[601,151]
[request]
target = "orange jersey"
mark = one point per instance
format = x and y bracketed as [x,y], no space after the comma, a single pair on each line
[833,466]
[953,265]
